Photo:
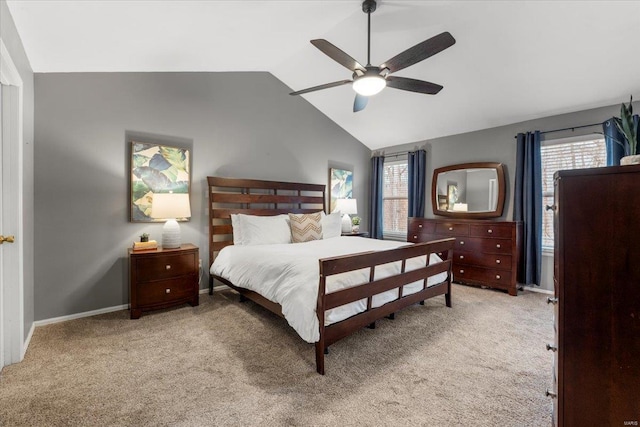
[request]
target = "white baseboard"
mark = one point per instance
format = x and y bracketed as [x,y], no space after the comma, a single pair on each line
[99,311]
[80,315]
[537,289]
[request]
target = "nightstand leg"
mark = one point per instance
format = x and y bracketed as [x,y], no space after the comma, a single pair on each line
[195,301]
[136,313]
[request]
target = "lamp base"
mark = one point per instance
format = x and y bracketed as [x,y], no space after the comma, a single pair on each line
[171,234]
[346,223]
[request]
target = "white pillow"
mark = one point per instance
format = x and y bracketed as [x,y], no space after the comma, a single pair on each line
[264,230]
[237,229]
[331,225]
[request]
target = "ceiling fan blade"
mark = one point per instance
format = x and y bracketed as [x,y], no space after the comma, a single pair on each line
[360,102]
[413,85]
[324,86]
[337,55]
[419,52]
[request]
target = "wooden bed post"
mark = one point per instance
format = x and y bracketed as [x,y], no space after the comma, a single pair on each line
[320,345]
[447,296]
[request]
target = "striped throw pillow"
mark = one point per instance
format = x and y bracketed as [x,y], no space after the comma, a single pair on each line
[305,227]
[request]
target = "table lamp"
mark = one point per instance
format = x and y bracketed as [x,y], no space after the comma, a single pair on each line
[346,207]
[170,206]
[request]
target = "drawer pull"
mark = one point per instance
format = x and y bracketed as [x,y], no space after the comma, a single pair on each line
[419,225]
[552,300]
[498,276]
[489,231]
[167,291]
[461,271]
[461,256]
[168,267]
[550,394]
[461,242]
[415,237]
[551,347]
[450,228]
[497,261]
[498,245]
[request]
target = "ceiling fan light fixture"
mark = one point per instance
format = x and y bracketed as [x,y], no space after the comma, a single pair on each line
[369,85]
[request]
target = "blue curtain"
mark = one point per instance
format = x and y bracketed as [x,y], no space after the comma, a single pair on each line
[375,211]
[528,205]
[615,141]
[417,162]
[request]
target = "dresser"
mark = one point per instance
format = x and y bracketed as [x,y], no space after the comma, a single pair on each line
[486,253]
[162,278]
[596,378]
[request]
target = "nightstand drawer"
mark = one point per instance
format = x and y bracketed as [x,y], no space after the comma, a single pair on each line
[166,266]
[159,292]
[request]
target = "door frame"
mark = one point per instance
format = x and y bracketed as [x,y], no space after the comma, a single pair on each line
[12,347]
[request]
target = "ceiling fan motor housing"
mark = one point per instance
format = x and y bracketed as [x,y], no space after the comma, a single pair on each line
[369,6]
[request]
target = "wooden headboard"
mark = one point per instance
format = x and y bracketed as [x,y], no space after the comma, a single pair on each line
[255,197]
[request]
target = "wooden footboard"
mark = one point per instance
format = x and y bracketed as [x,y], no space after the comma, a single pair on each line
[332,266]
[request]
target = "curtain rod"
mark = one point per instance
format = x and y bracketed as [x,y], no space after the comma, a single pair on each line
[397,153]
[572,128]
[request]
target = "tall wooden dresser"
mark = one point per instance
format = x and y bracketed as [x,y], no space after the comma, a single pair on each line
[486,252]
[597,297]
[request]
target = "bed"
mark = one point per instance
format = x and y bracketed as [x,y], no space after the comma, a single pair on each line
[333,287]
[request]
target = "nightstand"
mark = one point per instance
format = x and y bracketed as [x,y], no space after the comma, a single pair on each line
[357,234]
[162,278]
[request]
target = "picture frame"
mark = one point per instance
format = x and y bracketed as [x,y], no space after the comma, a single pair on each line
[340,186]
[156,168]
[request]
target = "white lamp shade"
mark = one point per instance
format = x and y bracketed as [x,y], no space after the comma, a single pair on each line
[170,206]
[346,206]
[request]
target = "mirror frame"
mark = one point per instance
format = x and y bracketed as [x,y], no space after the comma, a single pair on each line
[461,214]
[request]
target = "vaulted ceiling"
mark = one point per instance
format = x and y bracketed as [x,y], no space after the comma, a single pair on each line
[513,60]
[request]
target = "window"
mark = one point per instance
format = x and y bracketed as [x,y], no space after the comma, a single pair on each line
[395,202]
[588,152]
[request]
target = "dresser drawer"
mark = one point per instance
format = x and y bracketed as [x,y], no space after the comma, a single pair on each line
[166,266]
[489,246]
[159,292]
[496,278]
[491,229]
[419,237]
[452,229]
[499,262]
[417,226]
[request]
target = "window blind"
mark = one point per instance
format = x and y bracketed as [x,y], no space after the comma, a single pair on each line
[562,156]
[395,202]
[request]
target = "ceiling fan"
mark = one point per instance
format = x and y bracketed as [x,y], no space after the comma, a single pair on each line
[369,80]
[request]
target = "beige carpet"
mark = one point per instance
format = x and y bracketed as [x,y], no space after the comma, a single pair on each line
[481,363]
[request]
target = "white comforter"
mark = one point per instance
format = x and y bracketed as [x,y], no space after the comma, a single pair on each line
[288,274]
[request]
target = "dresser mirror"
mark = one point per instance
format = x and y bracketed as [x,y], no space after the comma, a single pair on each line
[469,190]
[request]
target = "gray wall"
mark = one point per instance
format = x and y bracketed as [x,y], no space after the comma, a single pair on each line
[16,50]
[498,145]
[237,125]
